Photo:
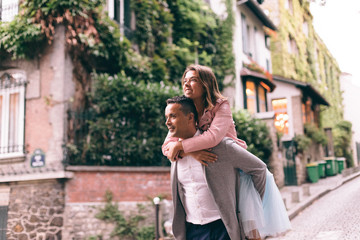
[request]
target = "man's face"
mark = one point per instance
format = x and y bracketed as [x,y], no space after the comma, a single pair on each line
[176,121]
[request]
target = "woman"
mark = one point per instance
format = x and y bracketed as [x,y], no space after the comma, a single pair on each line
[199,83]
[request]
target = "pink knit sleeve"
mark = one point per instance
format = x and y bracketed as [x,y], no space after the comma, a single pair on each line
[214,134]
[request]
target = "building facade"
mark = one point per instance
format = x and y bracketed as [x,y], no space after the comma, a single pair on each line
[351,96]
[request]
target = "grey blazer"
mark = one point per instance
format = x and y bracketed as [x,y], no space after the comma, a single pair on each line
[223,180]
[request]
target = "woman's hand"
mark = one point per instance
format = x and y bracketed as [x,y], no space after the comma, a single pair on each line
[174,149]
[203,156]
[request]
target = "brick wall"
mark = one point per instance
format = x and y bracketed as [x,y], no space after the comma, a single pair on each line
[89,184]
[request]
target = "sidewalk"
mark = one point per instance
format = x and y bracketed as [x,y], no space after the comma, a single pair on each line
[297,198]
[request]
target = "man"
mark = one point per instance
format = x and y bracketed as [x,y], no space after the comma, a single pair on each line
[205,198]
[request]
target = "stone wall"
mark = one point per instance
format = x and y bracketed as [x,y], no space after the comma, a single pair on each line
[81,222]
[36,210]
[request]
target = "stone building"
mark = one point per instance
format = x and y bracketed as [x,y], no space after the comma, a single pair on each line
[298,53]
[39,197]
[34,95]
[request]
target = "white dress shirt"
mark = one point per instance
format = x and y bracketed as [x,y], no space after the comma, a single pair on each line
[199,205]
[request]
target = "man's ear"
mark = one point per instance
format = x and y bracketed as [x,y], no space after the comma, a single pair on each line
[191,116]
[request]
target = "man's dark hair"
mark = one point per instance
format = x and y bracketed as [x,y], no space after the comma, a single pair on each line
[187,105]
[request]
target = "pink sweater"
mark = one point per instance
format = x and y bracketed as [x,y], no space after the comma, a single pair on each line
[216,123]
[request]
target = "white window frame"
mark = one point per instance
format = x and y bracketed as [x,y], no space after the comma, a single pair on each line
[5,92]
[9,9]
[111,13]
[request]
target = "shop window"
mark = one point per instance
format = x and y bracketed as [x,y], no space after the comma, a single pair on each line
[12,99]
[251,97]
[262,99]
[255,97]
[8,10]
[281,116]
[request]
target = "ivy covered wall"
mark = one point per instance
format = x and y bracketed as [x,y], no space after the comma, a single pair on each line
[299,53]
[166,36]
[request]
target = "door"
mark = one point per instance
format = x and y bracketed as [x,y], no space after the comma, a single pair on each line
[289,164]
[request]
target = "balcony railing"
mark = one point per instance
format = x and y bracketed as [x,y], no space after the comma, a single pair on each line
[8,10]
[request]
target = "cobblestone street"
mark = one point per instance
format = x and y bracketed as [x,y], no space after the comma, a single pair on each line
[335,216]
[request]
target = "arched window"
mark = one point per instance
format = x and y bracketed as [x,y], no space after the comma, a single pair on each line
[12,100]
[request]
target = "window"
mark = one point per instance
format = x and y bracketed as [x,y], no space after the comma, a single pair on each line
[3,221]
[292,47]
[256,54]
[306,28]
[8,10]
[281,116]
[251,97]
[245,35]
[255,97]
[262,98]
[307,112]
[268,65]
[289,6]
[119,11]
[267,41]
[12,100]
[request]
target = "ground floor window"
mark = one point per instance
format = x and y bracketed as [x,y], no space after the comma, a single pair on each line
[254,97]
[281,115]
[3,221]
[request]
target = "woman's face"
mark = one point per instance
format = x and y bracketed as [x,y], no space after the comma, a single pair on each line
[192,86]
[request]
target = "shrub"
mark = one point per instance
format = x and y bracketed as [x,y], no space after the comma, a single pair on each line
[342,141]
[126,228]
[255,133]
[128,124]
[316,134]
[302,142]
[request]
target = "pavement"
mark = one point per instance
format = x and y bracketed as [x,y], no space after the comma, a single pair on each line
[297,198]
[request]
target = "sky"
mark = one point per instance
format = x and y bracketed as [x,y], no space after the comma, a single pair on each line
[338,25]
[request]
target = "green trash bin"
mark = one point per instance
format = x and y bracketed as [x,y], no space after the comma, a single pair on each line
[313,172]
[322,169]
[331,166]
[340,163]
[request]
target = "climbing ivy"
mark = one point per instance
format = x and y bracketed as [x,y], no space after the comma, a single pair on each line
[343,136]
[310,61]
[168,36]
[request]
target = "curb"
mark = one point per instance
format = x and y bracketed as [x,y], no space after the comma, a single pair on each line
[293,213]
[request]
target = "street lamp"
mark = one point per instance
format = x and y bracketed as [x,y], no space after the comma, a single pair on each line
[156,201]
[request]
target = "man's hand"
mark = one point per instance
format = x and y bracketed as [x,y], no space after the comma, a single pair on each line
[203,156]
[173,149]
